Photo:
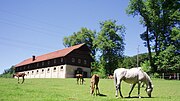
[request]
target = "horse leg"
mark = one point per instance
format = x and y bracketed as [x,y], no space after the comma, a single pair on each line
[132,87]
[77,80]
[97,90]
[18,79]
[82,80]
[117,82]
[23,80]
[118,87]
[143,84]
[139,85]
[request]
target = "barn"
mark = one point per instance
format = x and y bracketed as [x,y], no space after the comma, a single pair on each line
[63,63]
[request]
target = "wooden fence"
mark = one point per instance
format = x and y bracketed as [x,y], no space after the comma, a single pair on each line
[170,76]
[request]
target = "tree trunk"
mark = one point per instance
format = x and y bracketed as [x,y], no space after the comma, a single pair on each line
[149,52]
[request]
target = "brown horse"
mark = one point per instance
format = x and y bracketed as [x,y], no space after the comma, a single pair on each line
[79,78]
[19,75]
[110,77]
[94,83]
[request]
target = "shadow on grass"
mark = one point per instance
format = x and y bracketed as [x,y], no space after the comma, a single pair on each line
[103,95]
[137,97]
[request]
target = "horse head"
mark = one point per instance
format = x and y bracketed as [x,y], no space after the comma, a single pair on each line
[149,89]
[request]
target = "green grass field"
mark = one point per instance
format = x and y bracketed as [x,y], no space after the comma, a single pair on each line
[67,89]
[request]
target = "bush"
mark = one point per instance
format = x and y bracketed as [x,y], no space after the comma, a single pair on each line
[155,75]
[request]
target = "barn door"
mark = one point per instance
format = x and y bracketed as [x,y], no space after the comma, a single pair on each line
[78,71]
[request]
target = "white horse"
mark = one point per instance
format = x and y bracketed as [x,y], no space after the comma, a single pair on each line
[132,76]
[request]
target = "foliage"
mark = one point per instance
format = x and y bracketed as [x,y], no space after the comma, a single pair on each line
[161,19]
[100,71]
[110,44]
[8,73]
[130,62]
[85,35]
[155,75]
[146,66]
[168,60]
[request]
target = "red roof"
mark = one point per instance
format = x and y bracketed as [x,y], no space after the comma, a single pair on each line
[52,55]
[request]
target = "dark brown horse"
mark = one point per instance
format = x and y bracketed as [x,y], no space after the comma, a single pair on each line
[94,83]
[19,75]
[79,78]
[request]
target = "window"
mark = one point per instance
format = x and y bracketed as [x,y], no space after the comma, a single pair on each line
[24,67]
[73,59]
[79,60]
[42,63]
[48,70]
[42,71]
[28,67]
[54,61]
[61,67]
[17,69]
[49,62]
[37,64]
[32,72]
[37,72]
[61,59]
[85,62]
[54,69]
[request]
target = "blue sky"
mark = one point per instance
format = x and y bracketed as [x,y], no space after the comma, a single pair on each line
[36,27]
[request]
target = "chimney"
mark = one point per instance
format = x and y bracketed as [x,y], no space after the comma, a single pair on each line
[33,58]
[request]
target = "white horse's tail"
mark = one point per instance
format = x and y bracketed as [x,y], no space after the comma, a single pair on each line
[115,79]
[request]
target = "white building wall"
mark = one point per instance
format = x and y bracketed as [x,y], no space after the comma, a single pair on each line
[62,71]
[48,72]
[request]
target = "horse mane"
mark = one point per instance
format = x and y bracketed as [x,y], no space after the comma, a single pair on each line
[148,79]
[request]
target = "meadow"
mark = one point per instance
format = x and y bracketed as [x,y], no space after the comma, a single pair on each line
[68,90]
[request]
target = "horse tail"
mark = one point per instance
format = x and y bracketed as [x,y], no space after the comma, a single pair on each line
[115,79]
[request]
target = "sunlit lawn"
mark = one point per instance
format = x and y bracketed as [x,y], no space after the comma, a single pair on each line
[67,89]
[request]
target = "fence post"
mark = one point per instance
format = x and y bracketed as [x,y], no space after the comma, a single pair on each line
[163,75]
[177,76]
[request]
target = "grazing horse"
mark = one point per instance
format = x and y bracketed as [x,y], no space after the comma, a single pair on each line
[79,78]
[132,76]
[94,82]
[110,77]
[19,75]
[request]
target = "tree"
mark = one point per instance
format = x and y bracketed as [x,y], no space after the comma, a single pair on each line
[8,72]
[130,62]
[83,36]
[159,17]
[110,44]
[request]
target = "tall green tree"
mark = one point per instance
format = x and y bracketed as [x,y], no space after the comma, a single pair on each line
[85,35]
[159,17]
[110,43]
